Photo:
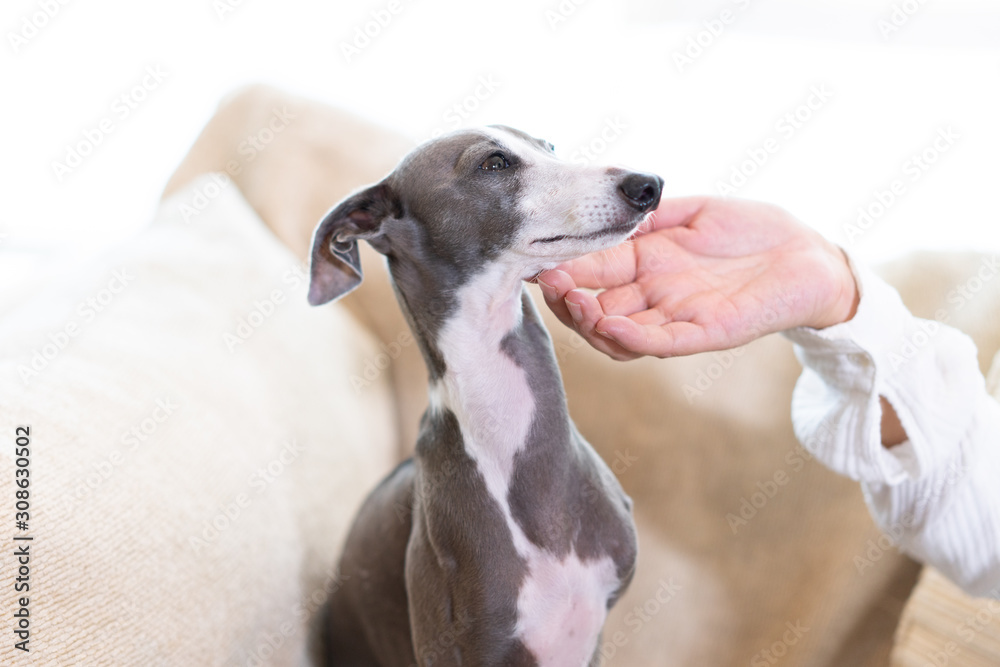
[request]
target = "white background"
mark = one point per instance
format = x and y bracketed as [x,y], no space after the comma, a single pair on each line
[561,70]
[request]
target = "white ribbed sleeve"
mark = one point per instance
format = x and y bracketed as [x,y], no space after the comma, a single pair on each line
[937,495]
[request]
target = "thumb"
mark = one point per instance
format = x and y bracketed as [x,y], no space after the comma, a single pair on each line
[601,270]
[675,212]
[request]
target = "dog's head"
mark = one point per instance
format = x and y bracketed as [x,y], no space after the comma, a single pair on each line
[468,199]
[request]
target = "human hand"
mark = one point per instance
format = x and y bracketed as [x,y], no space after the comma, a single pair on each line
[703,274]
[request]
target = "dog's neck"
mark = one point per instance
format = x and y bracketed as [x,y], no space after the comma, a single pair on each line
[498,369]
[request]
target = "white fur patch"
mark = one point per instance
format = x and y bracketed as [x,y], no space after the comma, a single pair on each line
[486,390]
[562,603]
[562,607]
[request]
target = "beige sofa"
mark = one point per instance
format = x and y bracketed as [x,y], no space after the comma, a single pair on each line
[209,536]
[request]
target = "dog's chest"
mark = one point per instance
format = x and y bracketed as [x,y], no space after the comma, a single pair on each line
[562,600]
[562,606]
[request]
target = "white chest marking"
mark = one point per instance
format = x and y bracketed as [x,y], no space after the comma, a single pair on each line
[562,607]
[562,602]
[486,390]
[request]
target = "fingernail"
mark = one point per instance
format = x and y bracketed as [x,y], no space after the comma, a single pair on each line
[574,310]
[604,332]
[548,291]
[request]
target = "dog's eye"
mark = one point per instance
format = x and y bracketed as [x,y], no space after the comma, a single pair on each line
[552,149]
[495,162]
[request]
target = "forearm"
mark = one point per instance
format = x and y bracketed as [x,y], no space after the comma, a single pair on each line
[950,517]
[899,404]
[893,432]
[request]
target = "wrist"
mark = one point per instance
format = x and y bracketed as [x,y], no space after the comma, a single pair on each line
[843,296]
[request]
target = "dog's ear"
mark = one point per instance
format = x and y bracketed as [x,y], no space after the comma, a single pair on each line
[335,262]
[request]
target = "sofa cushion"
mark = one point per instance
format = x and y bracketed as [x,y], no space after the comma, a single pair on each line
[197,445]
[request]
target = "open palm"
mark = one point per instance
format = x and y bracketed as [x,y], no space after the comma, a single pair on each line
[703,274]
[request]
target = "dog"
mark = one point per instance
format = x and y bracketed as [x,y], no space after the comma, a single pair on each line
[506,539]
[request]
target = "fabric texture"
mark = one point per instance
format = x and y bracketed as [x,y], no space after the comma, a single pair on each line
[942,623]
[936,494]
[197,448]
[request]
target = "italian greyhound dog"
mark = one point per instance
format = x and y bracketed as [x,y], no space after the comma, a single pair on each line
[506,539]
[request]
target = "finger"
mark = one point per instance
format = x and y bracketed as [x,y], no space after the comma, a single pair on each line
[668,296]
[672,339]
[555,284]
[623,300]
[675,212]
[586,311]
[653,316]
[604,269]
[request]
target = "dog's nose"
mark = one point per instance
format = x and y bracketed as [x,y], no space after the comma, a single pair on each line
[642,191]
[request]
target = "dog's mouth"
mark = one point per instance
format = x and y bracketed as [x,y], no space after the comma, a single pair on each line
[614,230]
